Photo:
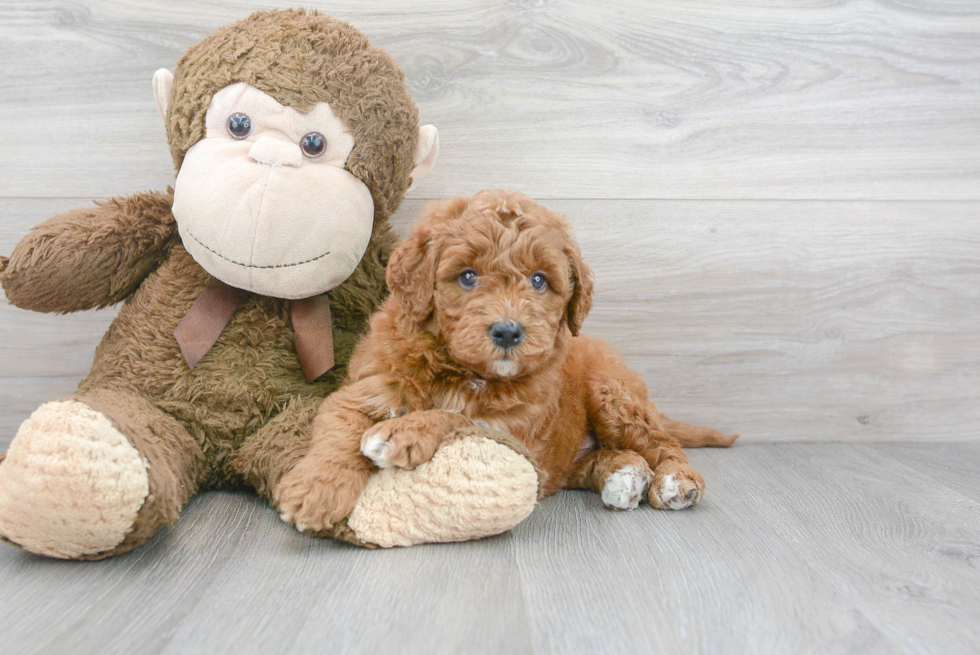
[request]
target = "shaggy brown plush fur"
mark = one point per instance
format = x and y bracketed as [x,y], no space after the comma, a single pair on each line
[242,415]
[429,366]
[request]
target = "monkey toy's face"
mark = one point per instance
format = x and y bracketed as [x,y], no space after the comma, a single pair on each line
[264,203]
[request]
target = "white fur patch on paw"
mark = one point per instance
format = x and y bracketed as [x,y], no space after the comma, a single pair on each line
[670,494]
[376,448]
[71,484]
[287,517]
[625,488]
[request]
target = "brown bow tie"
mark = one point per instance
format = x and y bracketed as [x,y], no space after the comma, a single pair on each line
[211,312]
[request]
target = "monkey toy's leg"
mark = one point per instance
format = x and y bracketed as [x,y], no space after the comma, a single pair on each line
[318,489]
[277,446]
[479,482]
[95,475]
[323,488]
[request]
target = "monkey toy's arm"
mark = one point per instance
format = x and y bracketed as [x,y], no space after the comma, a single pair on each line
[91,257]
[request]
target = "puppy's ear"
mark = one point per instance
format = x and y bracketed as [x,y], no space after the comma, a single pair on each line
[411,275]
[411,272]
[581,301]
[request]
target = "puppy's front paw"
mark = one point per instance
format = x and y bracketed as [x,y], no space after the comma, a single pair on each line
[403,442]
[315,498]
[676,486]
[624,489]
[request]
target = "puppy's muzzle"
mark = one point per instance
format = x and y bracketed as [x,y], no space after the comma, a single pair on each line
[507,333]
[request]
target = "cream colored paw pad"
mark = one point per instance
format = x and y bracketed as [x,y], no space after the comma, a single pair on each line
[472,487]
[71,484]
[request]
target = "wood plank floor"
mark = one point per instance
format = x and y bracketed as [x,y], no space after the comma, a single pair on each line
[823,548]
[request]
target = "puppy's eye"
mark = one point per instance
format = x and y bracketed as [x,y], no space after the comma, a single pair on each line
[468,278]
[239,125]
[539,281]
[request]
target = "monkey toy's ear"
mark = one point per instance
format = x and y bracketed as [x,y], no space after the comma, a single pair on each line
[163,87]
[426,151]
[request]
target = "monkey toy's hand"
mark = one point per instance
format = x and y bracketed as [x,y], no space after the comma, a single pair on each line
[92,257]
[317,494]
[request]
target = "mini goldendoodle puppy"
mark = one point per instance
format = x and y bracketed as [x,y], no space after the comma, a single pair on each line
[482,326]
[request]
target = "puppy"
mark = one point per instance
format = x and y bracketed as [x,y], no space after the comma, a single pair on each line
[488,295]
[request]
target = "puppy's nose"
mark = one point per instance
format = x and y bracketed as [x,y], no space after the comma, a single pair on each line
[507,333]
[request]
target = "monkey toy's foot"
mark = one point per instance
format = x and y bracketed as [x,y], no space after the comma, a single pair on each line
[71,484]
[479,483]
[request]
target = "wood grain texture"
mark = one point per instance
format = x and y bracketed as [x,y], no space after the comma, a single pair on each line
[324,596]
[626,99]
[855,323]
[823,548]
[707,581]
[953,465]
[876,526]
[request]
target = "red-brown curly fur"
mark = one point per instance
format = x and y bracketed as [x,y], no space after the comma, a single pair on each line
[429,366]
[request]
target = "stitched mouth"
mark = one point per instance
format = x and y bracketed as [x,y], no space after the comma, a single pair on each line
[244,265]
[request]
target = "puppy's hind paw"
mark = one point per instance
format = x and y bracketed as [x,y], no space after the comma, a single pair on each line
[625,488]
[680,488]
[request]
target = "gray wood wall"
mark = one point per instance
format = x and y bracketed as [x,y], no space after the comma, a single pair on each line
[781,199]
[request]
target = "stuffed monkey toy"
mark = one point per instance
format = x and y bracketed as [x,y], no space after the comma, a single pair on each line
[244,290]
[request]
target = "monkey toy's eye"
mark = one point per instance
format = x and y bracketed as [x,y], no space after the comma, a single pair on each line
[313,144]
[539,281]
[239,125]
[468,278]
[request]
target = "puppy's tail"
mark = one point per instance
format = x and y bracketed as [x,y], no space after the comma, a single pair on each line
[694,436]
